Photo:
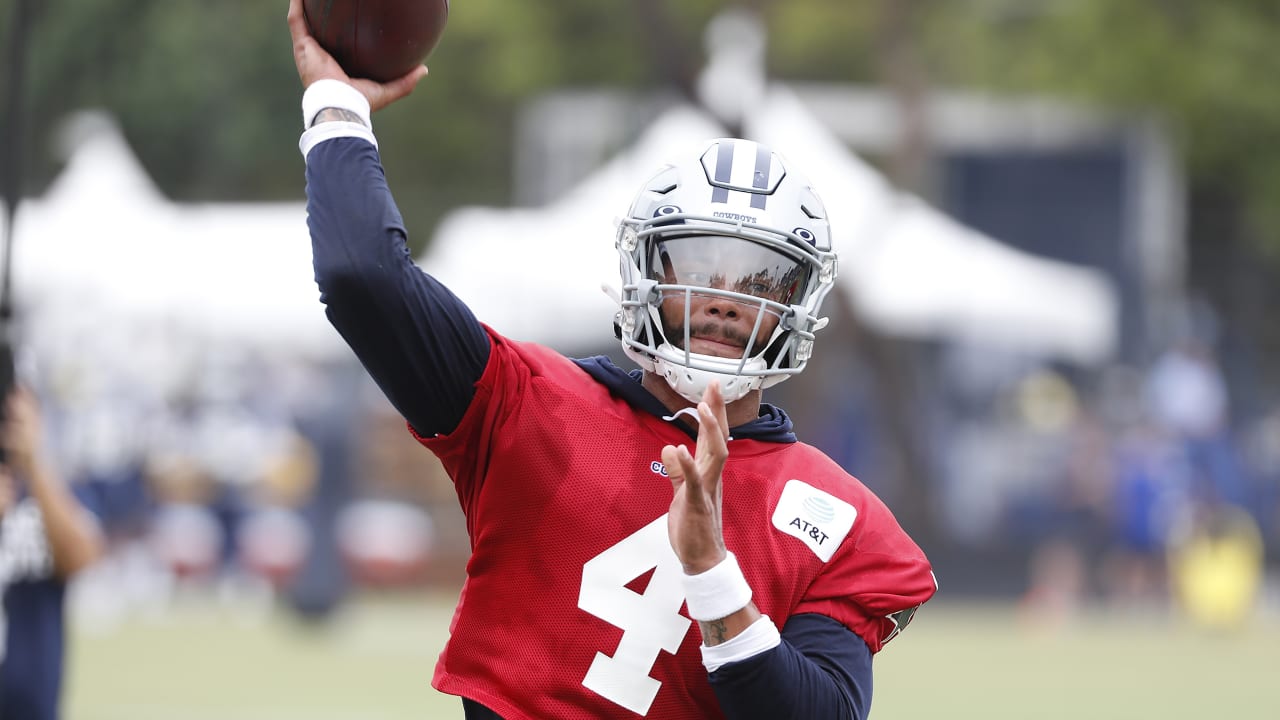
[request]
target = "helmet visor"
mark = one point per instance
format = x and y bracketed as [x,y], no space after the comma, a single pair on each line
[726,263]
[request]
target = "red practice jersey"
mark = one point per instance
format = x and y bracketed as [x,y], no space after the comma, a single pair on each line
[573,605]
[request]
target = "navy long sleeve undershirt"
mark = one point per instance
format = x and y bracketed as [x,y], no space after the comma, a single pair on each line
[426,350]
[421,345]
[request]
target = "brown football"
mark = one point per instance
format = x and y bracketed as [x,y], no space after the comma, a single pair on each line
[377,39]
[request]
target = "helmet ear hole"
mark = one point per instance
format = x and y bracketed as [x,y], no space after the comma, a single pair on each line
[666,215]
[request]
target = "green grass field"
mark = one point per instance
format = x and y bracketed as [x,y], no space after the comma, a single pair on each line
[202,661]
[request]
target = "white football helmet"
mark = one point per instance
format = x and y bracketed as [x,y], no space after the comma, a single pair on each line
[733,226]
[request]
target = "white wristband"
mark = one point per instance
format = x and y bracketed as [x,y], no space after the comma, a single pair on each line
[760,636]
[330,130]
[718,592]
[330,93]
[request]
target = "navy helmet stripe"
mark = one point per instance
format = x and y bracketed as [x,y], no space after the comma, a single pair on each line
[760,180]
[724,171]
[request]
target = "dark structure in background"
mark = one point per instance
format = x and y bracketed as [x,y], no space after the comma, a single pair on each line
[1067,204]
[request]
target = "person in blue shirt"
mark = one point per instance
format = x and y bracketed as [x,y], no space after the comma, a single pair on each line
[46,536]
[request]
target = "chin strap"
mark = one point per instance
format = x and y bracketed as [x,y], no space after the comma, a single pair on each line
[682,411]
[691,412]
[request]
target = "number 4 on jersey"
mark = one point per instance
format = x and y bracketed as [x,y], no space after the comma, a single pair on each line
[650,622]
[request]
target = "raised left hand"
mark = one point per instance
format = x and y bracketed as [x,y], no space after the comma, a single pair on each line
[694,524]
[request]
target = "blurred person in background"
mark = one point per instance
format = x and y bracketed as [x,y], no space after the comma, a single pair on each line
[1153,491]
[1071,531]
[1188,400]
[591,523]
[46,536]
[1216,567]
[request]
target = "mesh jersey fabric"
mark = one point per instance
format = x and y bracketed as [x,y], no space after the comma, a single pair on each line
[572,605]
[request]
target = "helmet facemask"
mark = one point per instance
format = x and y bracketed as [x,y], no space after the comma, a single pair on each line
[723,287]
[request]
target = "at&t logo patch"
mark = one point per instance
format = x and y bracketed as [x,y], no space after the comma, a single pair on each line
[817,518]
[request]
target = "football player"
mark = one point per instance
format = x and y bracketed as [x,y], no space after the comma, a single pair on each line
[653,543]
[46,536]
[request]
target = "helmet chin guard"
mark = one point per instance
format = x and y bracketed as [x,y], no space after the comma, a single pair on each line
[692,382]
[733,226]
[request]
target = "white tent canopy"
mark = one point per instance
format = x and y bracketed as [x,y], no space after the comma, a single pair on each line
[103,252]
[909,269]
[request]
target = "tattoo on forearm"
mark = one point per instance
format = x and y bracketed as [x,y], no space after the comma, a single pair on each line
[336,114]
[714,632]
